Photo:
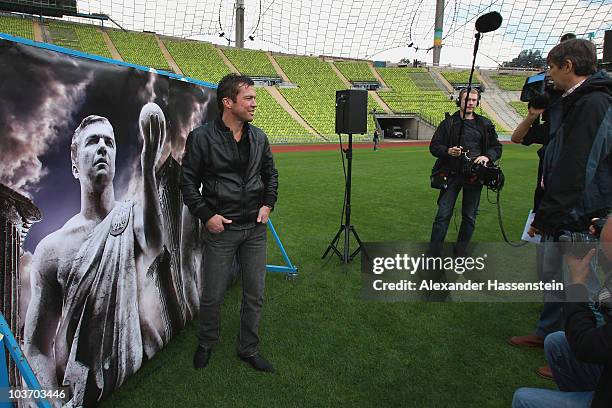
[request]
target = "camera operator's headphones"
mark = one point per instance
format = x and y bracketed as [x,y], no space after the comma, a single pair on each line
[464,90]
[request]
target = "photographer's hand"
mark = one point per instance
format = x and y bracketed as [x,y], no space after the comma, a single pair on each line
[482,160]
[579,268]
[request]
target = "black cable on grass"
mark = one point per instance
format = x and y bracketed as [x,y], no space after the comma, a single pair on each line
[501,224]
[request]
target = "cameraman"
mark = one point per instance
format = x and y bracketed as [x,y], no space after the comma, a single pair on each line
[580,357]
[454,143]
[577,165]
[530,131]
[574,131]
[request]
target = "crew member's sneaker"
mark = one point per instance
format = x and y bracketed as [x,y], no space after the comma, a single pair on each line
[201,357]
[258,363]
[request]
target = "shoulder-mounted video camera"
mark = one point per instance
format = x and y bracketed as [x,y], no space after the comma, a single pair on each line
[537,90]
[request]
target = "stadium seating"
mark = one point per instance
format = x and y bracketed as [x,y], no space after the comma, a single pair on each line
[277,123]
[406,97]
[423,81]
[20,27]
[509,82]
[198,60]
[250,62]
[457,78]
[80,37]
[201,61]
[314,96]
[355,71]
[412,90]
[139,48]
[414,70]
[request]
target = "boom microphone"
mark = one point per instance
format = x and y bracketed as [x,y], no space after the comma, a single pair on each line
[488,22]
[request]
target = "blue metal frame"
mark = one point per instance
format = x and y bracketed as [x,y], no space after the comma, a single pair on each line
[22,364]
[4,378]
[290,269]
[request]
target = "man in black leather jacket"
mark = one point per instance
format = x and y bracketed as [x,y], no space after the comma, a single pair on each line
[232,162]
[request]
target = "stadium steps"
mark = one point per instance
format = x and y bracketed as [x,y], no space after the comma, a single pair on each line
[491,111]
[277,67]
[272,90]
[439,78]
[339,74]
[111,47]
[139,48]
[498,99]
[379,79]
[38,32]
[44,30]
[167,56]
[226,61]
[380,102]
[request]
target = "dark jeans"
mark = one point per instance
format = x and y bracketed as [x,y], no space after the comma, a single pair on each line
[250,247]
[551,266]
[446,204]
[576,380]
[551,317]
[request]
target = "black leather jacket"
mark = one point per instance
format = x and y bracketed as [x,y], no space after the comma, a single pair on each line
[447,135]
[211,161]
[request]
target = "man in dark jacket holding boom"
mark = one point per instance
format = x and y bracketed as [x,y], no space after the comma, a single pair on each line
[455,138]
[231,160]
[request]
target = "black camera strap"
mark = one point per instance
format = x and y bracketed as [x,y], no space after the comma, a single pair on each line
[501,224]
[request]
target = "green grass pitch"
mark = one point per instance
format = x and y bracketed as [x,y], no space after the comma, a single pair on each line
[330,347]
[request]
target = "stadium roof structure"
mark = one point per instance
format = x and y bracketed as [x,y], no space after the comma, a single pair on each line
[372,29]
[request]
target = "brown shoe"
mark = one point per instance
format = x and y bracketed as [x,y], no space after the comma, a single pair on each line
[530,340]
[545,372]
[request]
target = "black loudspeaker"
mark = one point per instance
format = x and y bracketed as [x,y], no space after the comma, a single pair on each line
[607,52]
[351,111]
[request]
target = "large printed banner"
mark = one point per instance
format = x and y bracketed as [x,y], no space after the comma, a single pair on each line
[112,270]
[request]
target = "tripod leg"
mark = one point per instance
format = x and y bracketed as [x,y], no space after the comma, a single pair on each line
[333,243]
[346,258]
[360,244]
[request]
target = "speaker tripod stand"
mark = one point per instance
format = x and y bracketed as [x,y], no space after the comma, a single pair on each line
[346,256]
